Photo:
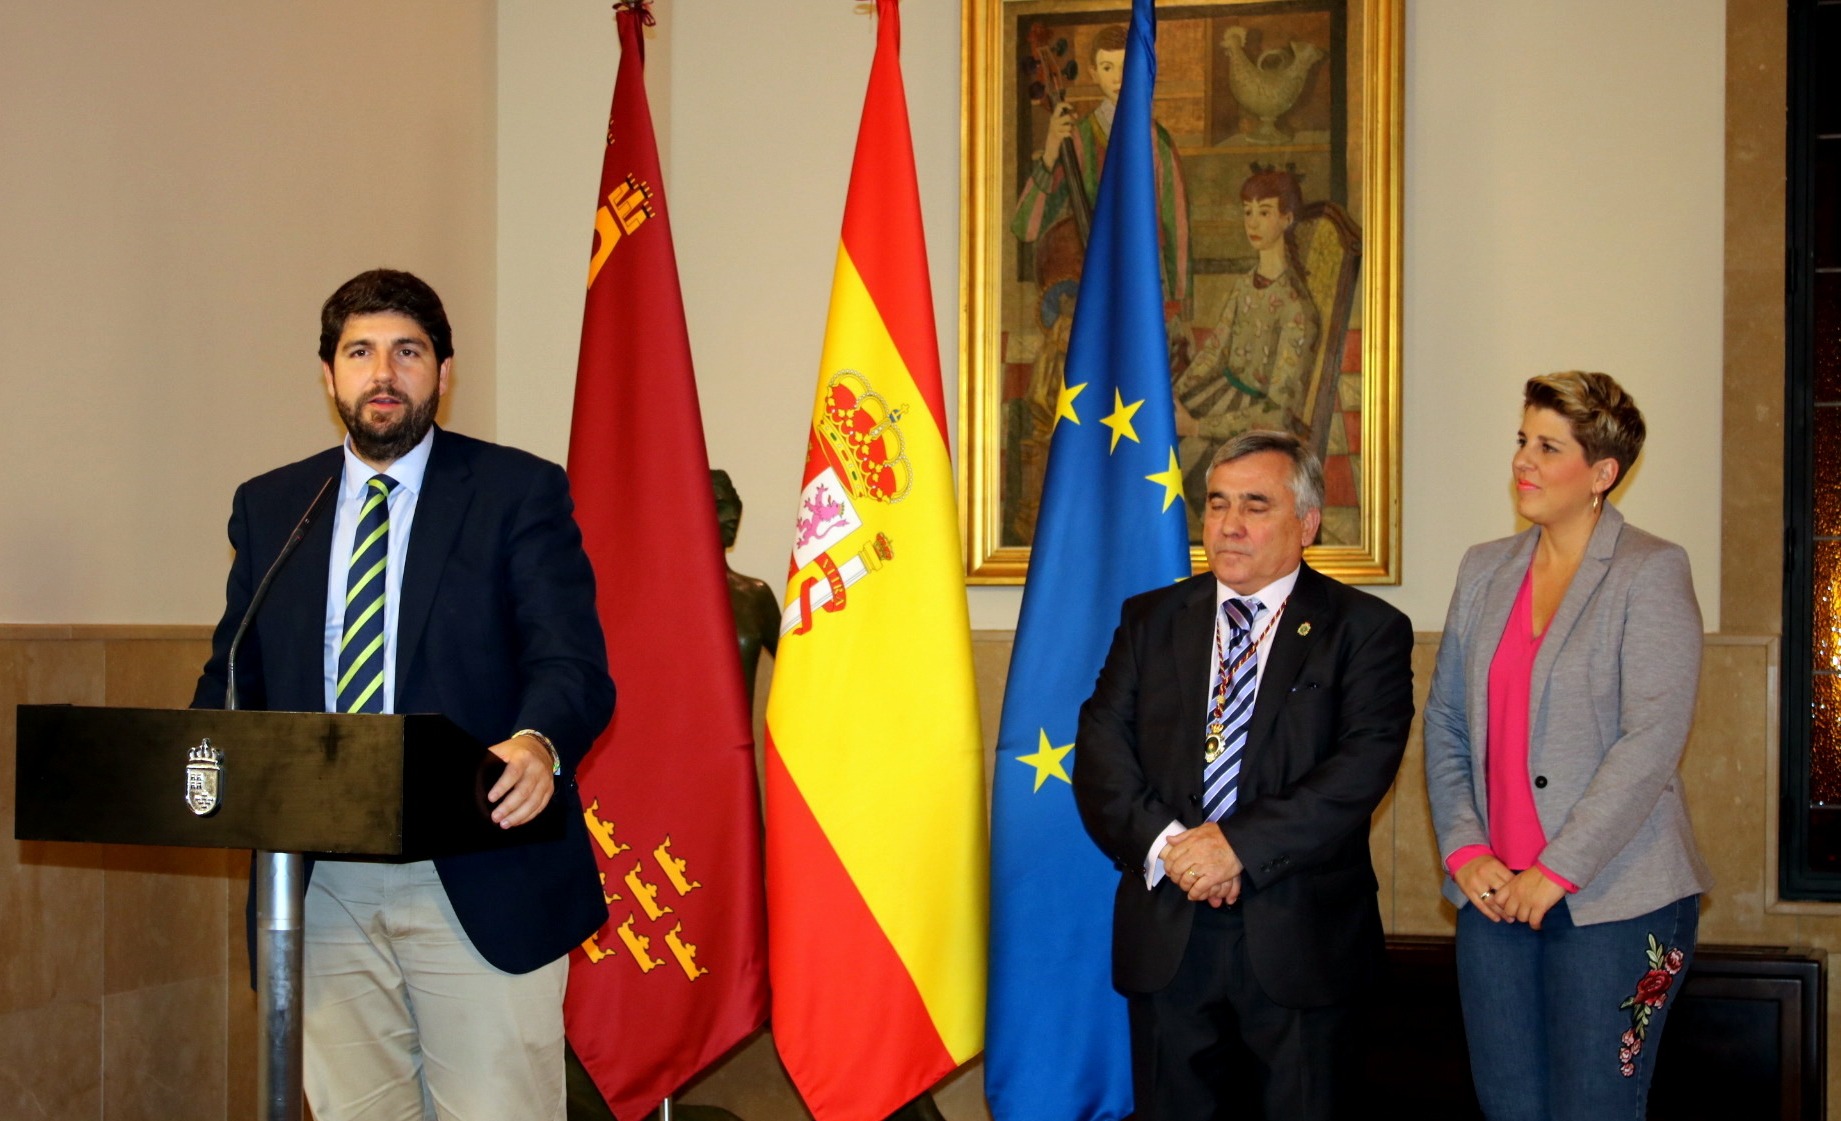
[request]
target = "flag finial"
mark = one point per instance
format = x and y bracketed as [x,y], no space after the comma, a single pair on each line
[640,8]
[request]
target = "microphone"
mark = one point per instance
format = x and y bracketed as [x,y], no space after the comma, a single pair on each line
[255,601]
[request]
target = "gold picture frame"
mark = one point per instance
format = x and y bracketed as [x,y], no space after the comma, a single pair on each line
[1310,88]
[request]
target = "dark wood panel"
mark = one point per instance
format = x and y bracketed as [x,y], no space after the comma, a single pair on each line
[1744,1039]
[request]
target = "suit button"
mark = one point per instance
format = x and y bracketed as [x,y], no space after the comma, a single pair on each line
[1540,782]
[1195,799]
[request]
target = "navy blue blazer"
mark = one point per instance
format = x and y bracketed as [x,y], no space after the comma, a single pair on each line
[1327,732]
[496,630]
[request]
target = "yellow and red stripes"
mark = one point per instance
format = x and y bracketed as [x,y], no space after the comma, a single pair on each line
[876,825]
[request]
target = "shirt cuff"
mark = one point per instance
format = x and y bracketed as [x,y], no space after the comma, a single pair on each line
[1464,856]
[1153,864]
[1556,877]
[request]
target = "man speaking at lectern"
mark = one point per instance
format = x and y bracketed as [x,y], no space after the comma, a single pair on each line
[439,574]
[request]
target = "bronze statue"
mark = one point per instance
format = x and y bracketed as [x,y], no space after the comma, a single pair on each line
[757,611]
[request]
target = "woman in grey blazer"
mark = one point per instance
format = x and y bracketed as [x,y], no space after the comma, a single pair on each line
[1559,708]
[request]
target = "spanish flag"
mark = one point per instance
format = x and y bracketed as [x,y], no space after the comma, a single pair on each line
[876,843]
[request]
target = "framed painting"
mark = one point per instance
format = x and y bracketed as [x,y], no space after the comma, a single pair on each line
[1279,153]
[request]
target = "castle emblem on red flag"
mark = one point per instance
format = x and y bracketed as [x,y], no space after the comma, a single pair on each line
[644,893]
[628,206]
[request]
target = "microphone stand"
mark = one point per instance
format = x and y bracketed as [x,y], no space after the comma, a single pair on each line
[281,897]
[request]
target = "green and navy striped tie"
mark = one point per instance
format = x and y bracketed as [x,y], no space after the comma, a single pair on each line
[361,646]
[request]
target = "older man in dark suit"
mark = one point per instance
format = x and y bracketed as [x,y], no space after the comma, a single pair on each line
[1244,727]
[444,574]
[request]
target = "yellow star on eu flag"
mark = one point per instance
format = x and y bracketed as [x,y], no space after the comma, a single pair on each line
[1047,761]
[1171,479]
[1120,420]
[1064,403]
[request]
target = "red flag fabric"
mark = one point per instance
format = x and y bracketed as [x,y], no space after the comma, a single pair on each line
[678,975]
[875,771]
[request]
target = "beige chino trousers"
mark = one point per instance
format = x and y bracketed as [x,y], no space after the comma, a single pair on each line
[405,1021]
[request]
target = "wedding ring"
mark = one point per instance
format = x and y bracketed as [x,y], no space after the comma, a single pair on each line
[1192,873]
[1487,893]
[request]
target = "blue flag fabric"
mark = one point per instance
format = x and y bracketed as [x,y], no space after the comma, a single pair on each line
[1111,525]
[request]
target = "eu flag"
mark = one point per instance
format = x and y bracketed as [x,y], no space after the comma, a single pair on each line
[1111,525]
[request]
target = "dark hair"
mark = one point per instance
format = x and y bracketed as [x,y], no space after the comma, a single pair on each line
[1274,183]
[1282,185]
[1602,416]
[385,290]
[1306,468]
[1111,37]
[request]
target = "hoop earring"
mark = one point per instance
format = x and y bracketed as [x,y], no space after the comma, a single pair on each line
[1597,502]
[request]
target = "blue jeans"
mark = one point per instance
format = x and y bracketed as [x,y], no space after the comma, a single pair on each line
[1564,1022]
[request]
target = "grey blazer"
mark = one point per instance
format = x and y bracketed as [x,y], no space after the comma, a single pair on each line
[1611,699]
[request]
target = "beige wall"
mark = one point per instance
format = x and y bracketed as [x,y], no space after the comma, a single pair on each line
[1563,210]
[183,184]
[188,181]
[757,107]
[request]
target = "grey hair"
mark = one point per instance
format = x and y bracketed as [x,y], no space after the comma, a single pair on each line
[1306,468]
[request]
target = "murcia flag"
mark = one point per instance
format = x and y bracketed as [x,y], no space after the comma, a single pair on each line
[875,807]
[677,976]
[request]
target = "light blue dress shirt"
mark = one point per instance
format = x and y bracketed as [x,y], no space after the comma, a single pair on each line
[407,472]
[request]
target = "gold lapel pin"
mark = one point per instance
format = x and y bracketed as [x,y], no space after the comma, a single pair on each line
[1303,629]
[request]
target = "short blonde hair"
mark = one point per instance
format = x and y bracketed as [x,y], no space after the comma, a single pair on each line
[1603,417]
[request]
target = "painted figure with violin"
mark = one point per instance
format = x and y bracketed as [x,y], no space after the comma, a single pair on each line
[1052,214]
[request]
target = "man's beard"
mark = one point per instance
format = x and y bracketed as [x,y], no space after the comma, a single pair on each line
[389,440]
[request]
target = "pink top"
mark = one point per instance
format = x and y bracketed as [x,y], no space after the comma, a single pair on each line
[1515,834]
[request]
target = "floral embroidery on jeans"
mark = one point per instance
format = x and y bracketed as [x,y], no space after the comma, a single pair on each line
[1651,990]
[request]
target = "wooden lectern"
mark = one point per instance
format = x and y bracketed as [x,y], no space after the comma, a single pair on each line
[286,784]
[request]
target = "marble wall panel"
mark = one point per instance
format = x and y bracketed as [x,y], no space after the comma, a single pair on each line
[105,976]
[1729,785]
[53,957]
[51,1062]
[154,673]
[1418,908]
[961,1096]
[163,1052]
[1751,451]
[752,1084]
[165,910]
[749,1082]
[239,997]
